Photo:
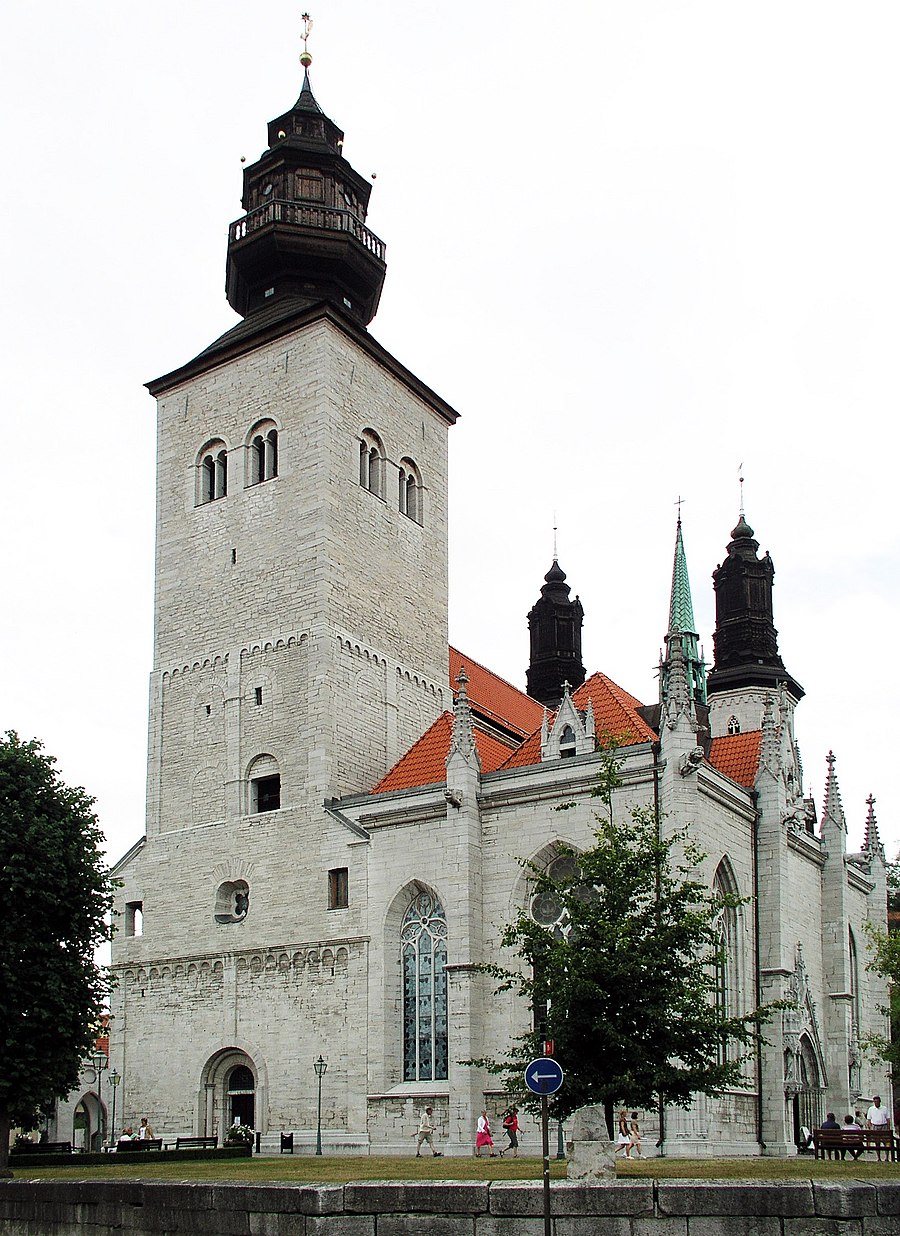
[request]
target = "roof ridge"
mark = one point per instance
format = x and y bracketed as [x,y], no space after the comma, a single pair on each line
[494,674]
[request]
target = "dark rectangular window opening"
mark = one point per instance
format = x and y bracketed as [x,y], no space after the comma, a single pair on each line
[266,793]
[338,889]
[258,696]
[134,918]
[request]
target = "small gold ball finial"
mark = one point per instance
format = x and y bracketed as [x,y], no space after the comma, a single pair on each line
[305,57]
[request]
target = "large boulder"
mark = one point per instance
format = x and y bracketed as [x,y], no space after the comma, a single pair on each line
[592,1156]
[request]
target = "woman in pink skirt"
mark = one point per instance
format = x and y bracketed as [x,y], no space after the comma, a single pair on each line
[483,1136]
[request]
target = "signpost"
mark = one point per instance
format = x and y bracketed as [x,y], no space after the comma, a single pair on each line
[544,1076]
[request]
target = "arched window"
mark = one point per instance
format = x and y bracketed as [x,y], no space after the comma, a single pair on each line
[262,451]
[212,473]
[264,781]
[734,726]
[410,498]
[423,954]
[546,908]
[567,743]
[371,463]
[726,973]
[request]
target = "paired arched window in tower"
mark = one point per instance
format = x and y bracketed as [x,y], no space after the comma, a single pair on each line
[212,473]
[410,491]
[263,454]
[371,463]
[423,957]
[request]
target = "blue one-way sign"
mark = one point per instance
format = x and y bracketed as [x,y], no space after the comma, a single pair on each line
[543,1076]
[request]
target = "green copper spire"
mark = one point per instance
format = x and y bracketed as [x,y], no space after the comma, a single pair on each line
[681,610]
[681,622]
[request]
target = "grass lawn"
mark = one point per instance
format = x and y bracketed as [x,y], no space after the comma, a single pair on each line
[310,1169]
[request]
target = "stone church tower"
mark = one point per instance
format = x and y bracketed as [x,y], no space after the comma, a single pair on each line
[300,625]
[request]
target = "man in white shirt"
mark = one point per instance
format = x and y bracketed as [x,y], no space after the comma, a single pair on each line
[879,1121]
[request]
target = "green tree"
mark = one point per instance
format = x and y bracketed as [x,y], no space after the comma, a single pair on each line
[885,960]
[57,894]
[625,981]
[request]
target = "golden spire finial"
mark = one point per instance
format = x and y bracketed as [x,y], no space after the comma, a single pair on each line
[305,57]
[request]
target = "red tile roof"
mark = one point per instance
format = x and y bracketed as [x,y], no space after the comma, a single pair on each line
[615,714]
[494,697]
[737,756]
[425,761]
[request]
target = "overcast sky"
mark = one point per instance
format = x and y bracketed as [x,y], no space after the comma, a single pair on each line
[635,244]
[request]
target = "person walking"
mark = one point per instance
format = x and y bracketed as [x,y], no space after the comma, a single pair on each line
[623,1138]
[634,1135]
[145,1132]
[426,1134]
[511,1125]
[483,1135]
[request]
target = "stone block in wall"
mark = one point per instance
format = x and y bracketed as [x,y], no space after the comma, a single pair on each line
[739,1225]
[824,1227]
[434,1225]
[340,1225]
[792,1198]
[585,1225]
[844,1199]
[888,1193]
[414,1197]
[527,1198]
[660,1225]
[496,1225]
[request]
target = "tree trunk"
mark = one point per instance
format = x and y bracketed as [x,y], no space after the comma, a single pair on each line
[5,1124]
[608,1109]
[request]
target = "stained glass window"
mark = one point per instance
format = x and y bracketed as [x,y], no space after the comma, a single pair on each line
[423,952]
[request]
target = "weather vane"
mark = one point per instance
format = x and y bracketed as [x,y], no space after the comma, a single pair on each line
[554,536]
[741,483]
[305,57]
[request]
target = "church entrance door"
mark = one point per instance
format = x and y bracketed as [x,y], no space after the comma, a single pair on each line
[242,1096]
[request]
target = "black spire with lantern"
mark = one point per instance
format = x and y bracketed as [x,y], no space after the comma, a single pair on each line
[555,624]
[303,238]
[745,639]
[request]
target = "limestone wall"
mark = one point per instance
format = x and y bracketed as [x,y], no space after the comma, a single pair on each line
[639,1208]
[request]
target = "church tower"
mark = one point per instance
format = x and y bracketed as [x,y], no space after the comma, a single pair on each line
[747,666]
[554,624]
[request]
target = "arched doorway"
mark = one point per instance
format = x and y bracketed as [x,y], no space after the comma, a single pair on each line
[241,1091]
[88,1123]
[809,1098]
[232,1088]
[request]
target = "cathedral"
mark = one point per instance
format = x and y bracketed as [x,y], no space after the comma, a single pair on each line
[339,805]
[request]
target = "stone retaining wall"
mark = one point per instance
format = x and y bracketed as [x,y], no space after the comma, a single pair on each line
[640,1208]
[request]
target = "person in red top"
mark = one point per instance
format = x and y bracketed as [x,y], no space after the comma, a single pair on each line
[511,1125]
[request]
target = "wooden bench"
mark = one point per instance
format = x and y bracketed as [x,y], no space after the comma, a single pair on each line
[835,1143]
[196,1143]
[132,1145]
[43,1148]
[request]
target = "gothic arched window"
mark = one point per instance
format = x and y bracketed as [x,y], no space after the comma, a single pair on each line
[726,989]
[410,491]
[734,726]
[423,953]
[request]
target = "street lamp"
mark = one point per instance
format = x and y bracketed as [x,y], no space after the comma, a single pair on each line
[100,1061]
[321,1068]
[114,1080]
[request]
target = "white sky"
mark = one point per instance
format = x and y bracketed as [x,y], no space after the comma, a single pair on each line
[635,244]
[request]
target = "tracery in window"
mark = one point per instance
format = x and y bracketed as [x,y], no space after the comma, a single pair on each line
[410,491]
[232,901]
[567,743]
[371,463]
[546,908]
[423,954]
[262,450]
[734,726]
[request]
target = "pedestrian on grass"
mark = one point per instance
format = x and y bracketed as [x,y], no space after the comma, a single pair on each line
[634,1132]
[426,1134]
[483,1135]
[511,1125]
